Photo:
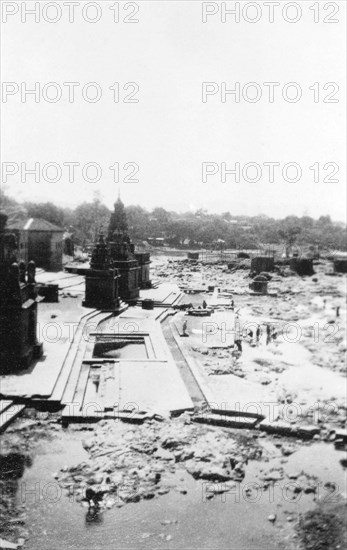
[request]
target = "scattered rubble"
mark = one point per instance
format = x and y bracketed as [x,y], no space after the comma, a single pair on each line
[127,466]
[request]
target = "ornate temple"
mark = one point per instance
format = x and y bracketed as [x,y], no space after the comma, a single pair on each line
[101,279]
[18,313]
[116,270]
[122,252]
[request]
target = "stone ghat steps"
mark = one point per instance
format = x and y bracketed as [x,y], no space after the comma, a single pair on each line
[8,412]
[155,304]
[70,370]
[162,295]
[162,304]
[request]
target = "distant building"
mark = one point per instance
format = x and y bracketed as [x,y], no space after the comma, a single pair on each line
[40,241]
[156,241]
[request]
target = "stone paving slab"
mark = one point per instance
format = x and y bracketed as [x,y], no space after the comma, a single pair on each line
[61,278]
[165,293]
[153,387]
[139,313]
[52,277]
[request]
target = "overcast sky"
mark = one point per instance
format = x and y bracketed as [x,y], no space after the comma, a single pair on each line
[170,132]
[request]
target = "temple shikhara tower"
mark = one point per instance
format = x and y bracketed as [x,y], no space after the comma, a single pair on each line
[18,312]
[122,252]
[117,271]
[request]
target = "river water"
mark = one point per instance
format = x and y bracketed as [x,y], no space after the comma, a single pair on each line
[174,520]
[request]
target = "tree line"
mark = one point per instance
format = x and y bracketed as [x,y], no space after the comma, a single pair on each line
[191,229]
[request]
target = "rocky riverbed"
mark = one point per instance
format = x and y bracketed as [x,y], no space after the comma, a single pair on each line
[278,478]
[284,485]
[305,365]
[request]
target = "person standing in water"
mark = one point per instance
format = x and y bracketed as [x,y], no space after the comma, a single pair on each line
[238,344]
[268,334]
[184,327]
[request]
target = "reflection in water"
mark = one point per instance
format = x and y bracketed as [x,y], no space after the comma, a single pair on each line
[12,466]
[94,516]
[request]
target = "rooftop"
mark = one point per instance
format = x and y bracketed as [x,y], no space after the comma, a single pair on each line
[35,224]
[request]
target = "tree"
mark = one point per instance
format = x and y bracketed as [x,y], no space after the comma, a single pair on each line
[161,215]
[227,216]
[15,212]
[289,235]
[47,211]
[91,218]
[138,221]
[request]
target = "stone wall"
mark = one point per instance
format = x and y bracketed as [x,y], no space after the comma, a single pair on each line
[302,266]
[262,263]
[340,265]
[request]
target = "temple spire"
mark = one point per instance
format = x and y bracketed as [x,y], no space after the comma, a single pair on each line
[118,226]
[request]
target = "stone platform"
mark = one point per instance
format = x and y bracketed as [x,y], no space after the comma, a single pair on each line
[68,282]
[137,377]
